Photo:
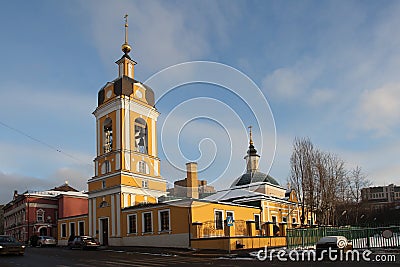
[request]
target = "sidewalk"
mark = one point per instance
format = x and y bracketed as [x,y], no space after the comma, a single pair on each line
[178,252]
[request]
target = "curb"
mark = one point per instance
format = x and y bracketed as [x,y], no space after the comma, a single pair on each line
[173,253]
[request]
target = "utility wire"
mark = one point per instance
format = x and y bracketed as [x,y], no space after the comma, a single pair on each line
[42,142]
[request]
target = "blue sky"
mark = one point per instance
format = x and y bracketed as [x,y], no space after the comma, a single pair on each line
[329,70]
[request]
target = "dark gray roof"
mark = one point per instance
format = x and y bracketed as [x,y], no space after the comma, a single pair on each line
[124,86]
[254,177]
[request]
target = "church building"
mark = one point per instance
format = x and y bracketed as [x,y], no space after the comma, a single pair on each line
[128,202]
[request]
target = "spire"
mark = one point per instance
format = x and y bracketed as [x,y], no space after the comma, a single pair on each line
[251,135]
[126,48]
[125,63]
[251,157]
[252,150]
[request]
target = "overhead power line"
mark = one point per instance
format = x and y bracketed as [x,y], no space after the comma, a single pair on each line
[42,142]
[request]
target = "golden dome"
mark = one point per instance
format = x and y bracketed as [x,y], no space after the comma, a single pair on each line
[126,48]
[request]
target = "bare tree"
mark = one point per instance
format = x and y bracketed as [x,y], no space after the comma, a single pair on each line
[356,181]
[323,184]
[302,173]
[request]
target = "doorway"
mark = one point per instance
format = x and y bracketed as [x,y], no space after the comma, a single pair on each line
[43,231]
[104,231]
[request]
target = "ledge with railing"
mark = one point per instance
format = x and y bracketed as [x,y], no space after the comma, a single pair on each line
[240,235]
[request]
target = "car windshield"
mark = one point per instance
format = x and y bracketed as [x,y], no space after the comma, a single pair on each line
[48,237]
[7,239]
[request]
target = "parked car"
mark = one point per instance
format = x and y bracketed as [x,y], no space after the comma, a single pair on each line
[9,245]
[83,242]
[334,242]
[46,241]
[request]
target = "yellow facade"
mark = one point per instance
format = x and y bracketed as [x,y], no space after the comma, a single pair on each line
[192,223]
[203,211]
[76,225]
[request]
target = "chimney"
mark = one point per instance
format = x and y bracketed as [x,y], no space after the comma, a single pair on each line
[192,190]
[15,194]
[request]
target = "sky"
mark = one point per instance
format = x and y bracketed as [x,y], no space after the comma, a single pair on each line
[327,70]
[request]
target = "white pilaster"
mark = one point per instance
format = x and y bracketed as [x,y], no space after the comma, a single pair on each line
[153,138]
[133,199]
[98,137]
[112,215]
[94,215]
[118,161]
[118,129]
[90,217]
[118,208]
[127,127]
[156,167]
[126,204]
[96,168]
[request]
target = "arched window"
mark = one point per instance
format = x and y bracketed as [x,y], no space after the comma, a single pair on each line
[103,204]
[108,135]
[141,135]
[105,167]
[40,215]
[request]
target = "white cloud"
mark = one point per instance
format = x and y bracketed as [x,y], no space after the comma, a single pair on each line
[160,34]
[321,97]
[28,159]
[11,181]
[76,177]
[378,109]
[293,81]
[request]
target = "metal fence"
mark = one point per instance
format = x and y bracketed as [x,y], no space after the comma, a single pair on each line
[209,229]
[361,237]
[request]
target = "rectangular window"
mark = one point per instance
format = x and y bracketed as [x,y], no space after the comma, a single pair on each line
[145,184]
[284,219]
[219,220]
[72,228]
[142,167]
[132,224]
[257,220]
[147,222]
[81,228]
[163,220]
[274,219]
[63,230]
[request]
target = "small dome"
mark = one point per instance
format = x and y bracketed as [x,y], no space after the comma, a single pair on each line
[254,177]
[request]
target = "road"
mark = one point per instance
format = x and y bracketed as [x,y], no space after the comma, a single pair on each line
[61,257]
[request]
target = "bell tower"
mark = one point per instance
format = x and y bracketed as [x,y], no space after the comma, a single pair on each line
[127,167]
